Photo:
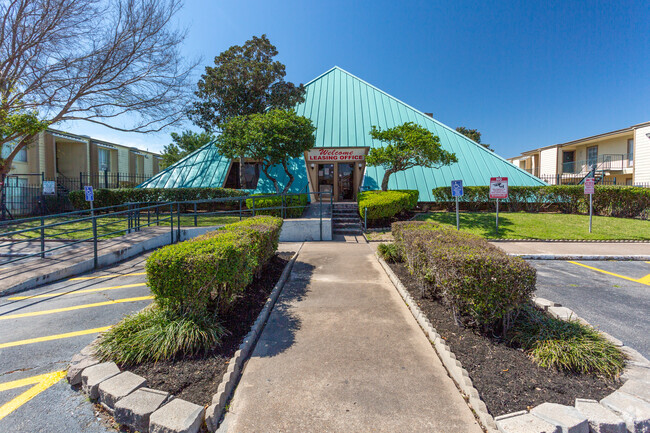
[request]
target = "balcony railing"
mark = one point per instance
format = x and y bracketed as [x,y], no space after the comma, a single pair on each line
[607,162]
[102,179]
[534,171]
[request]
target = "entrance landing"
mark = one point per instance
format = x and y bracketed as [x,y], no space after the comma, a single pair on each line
[342,353]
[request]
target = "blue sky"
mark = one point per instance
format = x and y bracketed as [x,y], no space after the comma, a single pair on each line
[526,74]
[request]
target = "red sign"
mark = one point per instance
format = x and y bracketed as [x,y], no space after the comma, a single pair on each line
[589,185]
[498,187]
[333,154]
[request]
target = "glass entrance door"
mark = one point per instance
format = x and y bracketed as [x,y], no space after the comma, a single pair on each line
[346,181]
[326,179]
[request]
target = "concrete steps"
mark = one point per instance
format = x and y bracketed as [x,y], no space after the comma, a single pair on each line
[345,219]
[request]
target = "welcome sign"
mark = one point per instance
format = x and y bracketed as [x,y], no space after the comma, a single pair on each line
[334,154]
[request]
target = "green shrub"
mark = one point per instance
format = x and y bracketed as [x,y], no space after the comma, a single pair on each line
[159,333]
[477,280]
[618,201]
[389,252]
[295,204]
[384,205]
[113,197]
[209,272]
[565,345]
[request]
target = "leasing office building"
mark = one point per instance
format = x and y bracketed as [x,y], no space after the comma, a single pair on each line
[343,108]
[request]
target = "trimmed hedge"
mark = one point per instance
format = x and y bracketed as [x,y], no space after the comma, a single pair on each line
[478,281]
[114,197]
[276,201]
[386,204]
[208,273]
[615,201]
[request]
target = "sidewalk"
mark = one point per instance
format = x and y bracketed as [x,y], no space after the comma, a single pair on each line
[342,353]
[587,249]
[24,275]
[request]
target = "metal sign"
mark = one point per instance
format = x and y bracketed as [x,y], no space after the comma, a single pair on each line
[498,187]
[589,185]
[49,187]
[456,188]
[334,154]
[88,191]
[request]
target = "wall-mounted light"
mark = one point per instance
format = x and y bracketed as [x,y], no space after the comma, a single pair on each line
[361,165]
[648,135]
[312,166]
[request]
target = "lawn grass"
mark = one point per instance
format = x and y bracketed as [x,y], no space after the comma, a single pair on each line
[520,225]
[107,227]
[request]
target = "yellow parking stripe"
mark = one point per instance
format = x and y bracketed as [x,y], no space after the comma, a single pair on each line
[76,307]
[644,280]
[54,337]
[43,382]
[107,276]
[74,292]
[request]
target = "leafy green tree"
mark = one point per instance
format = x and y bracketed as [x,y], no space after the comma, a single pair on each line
[182,145]
[473,134]
[244,80]
[407,145]
[271,138]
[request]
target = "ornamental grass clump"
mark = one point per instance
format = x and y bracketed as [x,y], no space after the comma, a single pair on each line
[479,282]
[194,283]
[565,345]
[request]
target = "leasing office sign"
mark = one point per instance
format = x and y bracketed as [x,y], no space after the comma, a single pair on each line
[334,154]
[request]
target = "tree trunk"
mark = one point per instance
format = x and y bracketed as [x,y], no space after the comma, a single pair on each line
[265,169]
[291,178]
[384,182]
[3,197]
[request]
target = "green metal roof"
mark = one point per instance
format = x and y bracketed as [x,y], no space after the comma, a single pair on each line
[343,108]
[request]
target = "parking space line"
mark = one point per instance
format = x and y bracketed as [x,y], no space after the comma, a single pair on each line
[76,307]
[74,292]
[644,280]
[54,337]
[108,276]
[42,381]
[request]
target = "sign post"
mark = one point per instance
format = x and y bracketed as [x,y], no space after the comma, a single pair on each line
[498,189]
[457,191]
[90,197]
[589,189]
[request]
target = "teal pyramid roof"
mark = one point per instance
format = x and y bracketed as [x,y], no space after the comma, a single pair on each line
[343,107]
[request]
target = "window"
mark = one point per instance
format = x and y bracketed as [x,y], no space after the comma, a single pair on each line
[251,176]
[104,159]
[592,156]
[21,156]
[630,152]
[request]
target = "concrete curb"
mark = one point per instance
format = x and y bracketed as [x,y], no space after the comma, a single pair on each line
[216,411]
[183,413]
[580,257]
[455,369]
[103,260]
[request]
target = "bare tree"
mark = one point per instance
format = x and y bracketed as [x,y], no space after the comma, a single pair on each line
[115,63]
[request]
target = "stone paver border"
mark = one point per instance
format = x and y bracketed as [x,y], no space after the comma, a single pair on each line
[629,406]
[135,405]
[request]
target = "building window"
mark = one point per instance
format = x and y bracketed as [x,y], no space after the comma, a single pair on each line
[251,175]
[7,148]
[592,156]
[104,159]
[630,152]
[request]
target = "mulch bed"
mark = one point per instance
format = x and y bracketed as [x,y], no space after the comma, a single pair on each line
[505,378]
[197,378]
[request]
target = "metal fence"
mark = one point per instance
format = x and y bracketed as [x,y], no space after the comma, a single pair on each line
[102,179]
[573,179]
[91,226]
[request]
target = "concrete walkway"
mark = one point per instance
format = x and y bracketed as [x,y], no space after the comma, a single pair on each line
[342,353]
[575,248]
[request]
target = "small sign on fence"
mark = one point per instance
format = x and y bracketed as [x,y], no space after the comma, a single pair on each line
[49,187]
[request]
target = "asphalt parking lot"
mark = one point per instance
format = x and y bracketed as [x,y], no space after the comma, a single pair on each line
[40,331]
[613,296]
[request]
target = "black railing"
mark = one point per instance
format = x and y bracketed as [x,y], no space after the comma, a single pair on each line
[73,228]
[102,179]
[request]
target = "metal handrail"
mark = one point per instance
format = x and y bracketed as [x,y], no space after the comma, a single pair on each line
[164,212]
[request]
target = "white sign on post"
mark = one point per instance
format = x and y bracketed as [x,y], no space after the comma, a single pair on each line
[498,189]
[589,189]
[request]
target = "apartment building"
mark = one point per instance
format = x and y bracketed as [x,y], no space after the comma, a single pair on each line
[620,157]
[77,160]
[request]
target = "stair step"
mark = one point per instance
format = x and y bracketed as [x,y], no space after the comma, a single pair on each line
[347,220]
[347,232]
[347,225]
